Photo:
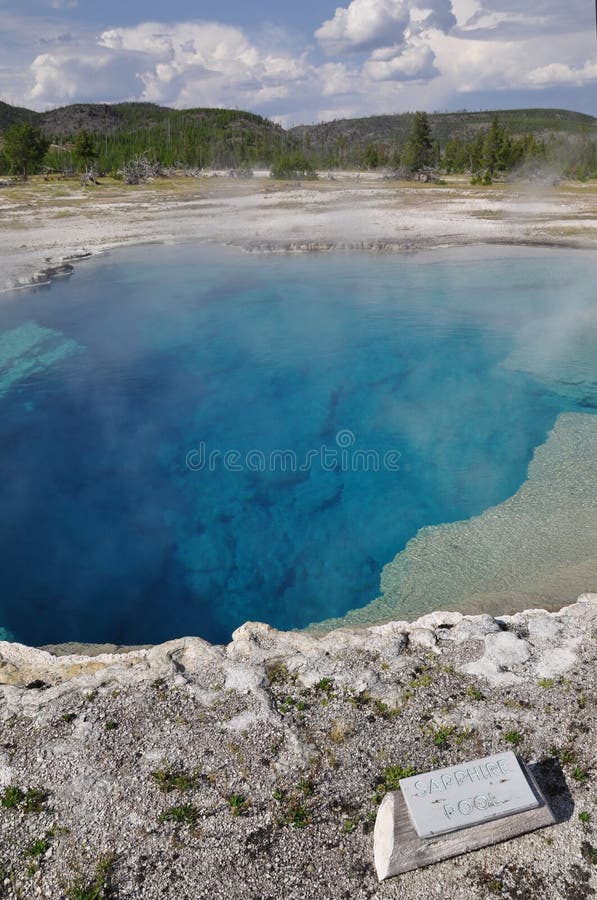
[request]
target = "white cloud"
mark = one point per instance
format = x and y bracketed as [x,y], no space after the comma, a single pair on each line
[64,4]
[183,64]
[507,19]
[415,62]
[368,24]
[559,73]
[396,55]
[70,76]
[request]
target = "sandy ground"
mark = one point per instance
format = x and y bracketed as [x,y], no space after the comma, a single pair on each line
[43,222]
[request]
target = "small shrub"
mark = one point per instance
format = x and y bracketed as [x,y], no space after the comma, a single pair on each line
[423,678]
[474,693]
[293,165]
[278,673]
[546,682]
[585,817]
[181,815]
[325,686]
[169,779]
[11,797]
[238,804]
[442,735]
[589,853]
[38,847]
[580,775]
[513,737]
[390,780]
[296,814]
[97,887]
[386,712]
[35,800]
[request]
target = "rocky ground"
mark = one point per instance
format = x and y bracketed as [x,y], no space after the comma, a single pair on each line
[42,223]
[255,770]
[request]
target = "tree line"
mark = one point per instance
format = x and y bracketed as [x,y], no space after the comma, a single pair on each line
[222,141]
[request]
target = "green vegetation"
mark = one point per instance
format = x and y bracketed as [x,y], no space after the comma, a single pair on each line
[11,797]
[474,693]
[580,775]
[296,814]
[95,888]
[278,673]
[325,686]
[484,145]
[169,779]
[238,804]
[419,151]
[442,735]
[84,147]
[35,800]
[513,737]
[186,814]
[585,817]
[293,165]
[589,853]
[566,755]
[390,781]
[24,148]
[39,847]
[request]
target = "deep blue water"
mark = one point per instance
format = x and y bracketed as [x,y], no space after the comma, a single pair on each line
[117,383]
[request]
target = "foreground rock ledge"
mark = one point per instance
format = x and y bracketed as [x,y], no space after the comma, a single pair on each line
[255,770]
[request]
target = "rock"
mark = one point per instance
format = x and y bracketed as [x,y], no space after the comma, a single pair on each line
[471,628]
[423,637]
[503,651]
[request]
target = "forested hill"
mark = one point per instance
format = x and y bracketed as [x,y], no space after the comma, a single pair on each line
[357,134]
[234,138]
[192,136]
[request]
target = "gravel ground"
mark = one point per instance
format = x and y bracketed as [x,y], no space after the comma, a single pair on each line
[256,770]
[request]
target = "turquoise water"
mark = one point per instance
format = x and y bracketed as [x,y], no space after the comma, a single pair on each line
[191,437]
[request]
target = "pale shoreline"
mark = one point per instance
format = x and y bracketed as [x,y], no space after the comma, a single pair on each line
[47,226]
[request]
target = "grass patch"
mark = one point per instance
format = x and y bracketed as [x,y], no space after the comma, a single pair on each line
[238,804]
[390,780]
[514,738]
[169,779]
[96,887]
[181,815]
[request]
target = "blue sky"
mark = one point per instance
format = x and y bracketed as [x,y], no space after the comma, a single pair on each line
[301,62]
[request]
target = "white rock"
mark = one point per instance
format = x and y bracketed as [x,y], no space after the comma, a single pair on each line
[502,652]
[423,637]
[471,628]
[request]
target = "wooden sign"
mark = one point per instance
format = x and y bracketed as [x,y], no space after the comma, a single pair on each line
[450,811]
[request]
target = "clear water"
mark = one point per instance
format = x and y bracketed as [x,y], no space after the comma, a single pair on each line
[122,388]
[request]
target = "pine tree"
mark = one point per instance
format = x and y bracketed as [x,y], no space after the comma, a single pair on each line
[493,147]
[418,151]
[84,147]
[25,148]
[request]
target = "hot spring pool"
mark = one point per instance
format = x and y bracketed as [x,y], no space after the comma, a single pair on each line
[191,437]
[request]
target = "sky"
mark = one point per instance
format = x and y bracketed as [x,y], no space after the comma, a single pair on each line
[304,61]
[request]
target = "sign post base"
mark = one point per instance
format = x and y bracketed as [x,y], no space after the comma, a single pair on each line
[398,847]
